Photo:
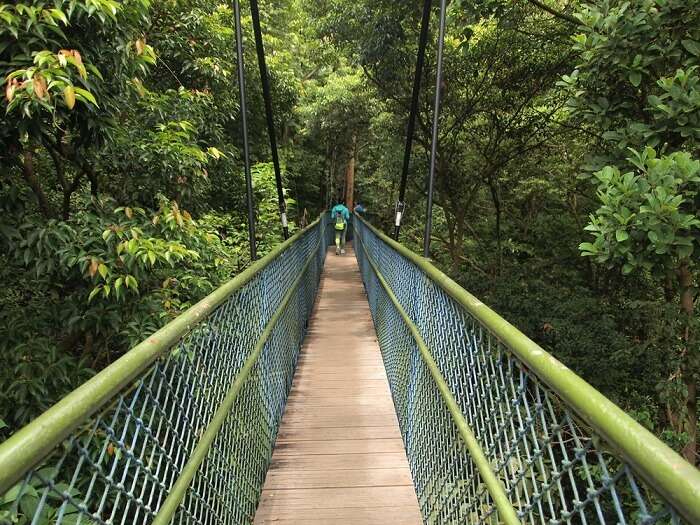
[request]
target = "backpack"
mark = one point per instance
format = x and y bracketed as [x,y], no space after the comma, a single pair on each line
[339,221]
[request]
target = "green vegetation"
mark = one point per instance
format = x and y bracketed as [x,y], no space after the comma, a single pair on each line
[566,188]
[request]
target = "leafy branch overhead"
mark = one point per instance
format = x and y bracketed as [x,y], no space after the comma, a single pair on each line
[648,219]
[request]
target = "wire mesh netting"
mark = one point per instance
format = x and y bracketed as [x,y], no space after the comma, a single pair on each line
[119,466]
[553,467]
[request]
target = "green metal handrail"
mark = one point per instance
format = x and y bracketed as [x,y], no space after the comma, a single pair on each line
[676,480]
[121,388]
[495,487]
[179,488]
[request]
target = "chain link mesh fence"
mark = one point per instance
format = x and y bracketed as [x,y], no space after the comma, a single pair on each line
[120,464]
[553,467]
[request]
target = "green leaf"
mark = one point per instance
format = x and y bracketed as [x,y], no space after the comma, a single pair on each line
[588,247]
[635,78]
[103,270]
[216,153]
[12,494]
[94,292]
[692,47]
[627,268]
[59,15]
[130,282]
[85,95]
[621,235]
[29,505]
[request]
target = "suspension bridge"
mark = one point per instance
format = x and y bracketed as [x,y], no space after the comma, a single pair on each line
[393,397]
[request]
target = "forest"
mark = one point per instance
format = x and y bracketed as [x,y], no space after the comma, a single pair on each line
[566,183]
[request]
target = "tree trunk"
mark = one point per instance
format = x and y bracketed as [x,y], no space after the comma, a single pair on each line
[451,242]
[689,452]
[92,177]
[33,183]
[61,176]
[323,179]
[350,176]
[331,179]
[458,240]
[497,206]
[685,279]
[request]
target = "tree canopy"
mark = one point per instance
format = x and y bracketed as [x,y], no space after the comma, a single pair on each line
[566,191]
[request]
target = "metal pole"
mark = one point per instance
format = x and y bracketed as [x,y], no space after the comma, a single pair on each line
[264,78]
[436,120]
[244,125]
[400,204]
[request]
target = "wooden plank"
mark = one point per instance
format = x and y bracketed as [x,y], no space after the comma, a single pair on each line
[306,479]
[338,498]
[321,419]
[329,433]
[338,446]
[345,516]
[343,390]
[352,385]
[341,361]
[339,456]
[340,461]
[338,401]
[347,411]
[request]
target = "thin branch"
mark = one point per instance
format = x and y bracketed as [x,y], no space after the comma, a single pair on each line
[578,128]
[172,73]
[558,14]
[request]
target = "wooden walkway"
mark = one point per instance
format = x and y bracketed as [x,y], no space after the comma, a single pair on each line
[339,457]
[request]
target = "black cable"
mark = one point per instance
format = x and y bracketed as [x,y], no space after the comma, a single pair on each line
[410,128]
[436,121]
[264,78]
[244,125]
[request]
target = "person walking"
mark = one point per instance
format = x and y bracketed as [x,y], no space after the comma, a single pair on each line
[340,216]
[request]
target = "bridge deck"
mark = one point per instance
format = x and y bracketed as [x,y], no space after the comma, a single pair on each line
[339,457]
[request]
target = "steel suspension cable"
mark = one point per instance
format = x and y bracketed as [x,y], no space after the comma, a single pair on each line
[436,131]
[244,126]
[410,128]
[265,80]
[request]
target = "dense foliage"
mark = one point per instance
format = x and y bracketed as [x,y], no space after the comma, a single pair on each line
[563,124]
[122,186]
[566,186]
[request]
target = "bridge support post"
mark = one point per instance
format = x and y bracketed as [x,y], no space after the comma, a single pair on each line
[267,96]
[244,126]
[410,127]
[436,131]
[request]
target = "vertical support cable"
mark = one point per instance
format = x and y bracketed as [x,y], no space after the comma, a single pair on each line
[436,120]
[264,78]
[244,125]
[400,204]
